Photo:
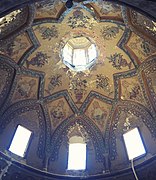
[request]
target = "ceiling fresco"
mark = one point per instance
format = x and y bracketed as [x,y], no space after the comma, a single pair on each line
[15,23]
[141,24]
[47,57]
[115,95]
[140,48]
[106,10]
[17,48]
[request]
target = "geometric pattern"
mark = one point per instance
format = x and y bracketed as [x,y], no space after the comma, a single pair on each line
[116,95]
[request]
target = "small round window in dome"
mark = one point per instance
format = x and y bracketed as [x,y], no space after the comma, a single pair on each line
[79,53]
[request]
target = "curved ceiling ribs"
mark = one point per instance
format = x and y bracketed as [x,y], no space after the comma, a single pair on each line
[90,128]
[32,48]
[21,77]
[16,23]
[134,21]
[116,95]
[135,115]
[147,75]
[141,6]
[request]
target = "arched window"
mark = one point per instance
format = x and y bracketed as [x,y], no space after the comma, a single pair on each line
[77,153]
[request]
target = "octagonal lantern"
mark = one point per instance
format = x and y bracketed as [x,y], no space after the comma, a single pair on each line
[79,53]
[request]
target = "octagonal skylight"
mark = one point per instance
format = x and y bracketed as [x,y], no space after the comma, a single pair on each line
[79,53]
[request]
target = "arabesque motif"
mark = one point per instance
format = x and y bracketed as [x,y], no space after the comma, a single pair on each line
[118,61]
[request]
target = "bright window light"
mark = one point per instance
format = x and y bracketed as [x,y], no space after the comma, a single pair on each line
[134,144]
[79,57]
[20,141]
[92,52]
[77,156]
[79,53]
[67,52]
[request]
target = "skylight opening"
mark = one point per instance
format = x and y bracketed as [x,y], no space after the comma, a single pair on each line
[79,53]
[134,144]
[20,141]
[77,156]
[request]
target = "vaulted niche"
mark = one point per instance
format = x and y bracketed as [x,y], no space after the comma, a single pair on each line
[77,153]
[79,53]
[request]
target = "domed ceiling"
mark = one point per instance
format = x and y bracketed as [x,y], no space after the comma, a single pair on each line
[38,91]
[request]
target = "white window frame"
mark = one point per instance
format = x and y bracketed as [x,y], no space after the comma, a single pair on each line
[77,159]
[18,140]
[77,154]
[133,142]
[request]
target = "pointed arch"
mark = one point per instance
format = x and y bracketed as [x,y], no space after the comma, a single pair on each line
[91,129]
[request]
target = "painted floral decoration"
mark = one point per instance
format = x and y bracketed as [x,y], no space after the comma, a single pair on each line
[14,47]
[39,60]
[79,20]
[78,87]
[110,32]
[143,47]
[24,88]
[48,32]
[118,61]
[98,113]
[58,112]
[132,91]
[102,82]
[55,81]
